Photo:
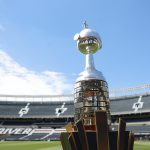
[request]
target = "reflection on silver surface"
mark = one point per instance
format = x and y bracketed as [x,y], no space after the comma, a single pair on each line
[89,98]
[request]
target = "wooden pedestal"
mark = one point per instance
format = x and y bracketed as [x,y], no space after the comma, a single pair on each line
[100,139]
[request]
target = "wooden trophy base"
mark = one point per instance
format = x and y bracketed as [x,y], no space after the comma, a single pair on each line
[99,139]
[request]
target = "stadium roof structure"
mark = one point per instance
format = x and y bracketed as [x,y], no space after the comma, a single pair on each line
[130,90]
[114,94]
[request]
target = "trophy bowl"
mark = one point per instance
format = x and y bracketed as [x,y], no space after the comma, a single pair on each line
[88,39]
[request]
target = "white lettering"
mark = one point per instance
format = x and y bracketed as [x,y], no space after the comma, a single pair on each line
[8,131]
[138,104]
[27,131]
[2,130]
[61,110]
[15,130]
[19,131]
[24,110]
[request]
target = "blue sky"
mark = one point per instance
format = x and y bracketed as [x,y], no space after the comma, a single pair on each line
[36,40]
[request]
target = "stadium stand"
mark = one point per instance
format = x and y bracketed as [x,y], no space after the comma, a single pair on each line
[130,104]
[21,118]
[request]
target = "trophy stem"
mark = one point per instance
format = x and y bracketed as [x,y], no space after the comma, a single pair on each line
[89,65]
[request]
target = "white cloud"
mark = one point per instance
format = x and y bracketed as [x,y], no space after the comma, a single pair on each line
[16,79]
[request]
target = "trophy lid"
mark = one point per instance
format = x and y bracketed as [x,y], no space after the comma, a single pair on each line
[86,32]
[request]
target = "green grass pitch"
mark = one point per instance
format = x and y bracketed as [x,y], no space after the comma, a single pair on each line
[30,145]
[142,145]
[55,145]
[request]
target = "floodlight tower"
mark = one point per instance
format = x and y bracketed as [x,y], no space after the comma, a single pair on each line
[91,89]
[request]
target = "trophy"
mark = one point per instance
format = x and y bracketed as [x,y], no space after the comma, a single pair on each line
[91,89]
[91,129]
